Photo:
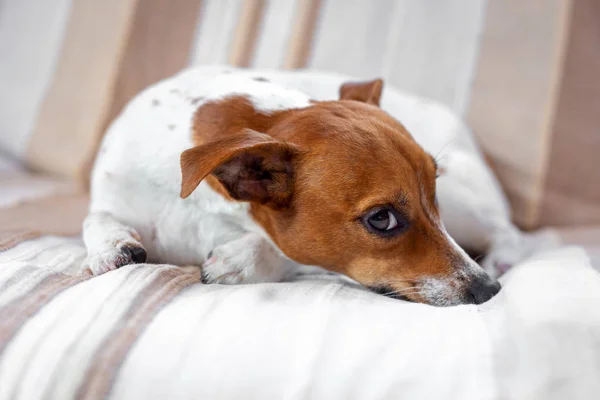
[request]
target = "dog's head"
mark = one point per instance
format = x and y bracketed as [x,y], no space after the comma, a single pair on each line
[341,185]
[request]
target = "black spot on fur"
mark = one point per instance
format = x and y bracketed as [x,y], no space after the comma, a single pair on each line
[132,254]
[171,126]
[204,278]
[197,100]
[155,103]
[260,79]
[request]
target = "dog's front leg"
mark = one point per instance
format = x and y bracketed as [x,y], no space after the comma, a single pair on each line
[249,259]
[110,244]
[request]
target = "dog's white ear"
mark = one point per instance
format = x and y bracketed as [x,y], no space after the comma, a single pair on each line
[367,92]
[250,165]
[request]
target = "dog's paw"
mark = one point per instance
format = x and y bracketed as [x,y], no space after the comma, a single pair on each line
[503,256]
[116,257]
[222,270]
[496,265]
[250,259]
[508,251]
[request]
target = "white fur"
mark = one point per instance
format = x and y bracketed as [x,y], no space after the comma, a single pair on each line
[137,178]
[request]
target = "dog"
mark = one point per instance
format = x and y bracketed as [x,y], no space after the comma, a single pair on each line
[247,179]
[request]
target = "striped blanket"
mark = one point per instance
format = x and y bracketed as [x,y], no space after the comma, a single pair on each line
[155,332]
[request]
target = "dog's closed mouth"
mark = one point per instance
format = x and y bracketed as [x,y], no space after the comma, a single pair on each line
[390,292]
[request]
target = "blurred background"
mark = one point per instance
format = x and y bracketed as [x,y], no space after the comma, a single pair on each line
[523,74]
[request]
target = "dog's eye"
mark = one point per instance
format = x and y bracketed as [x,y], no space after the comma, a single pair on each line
[383,221]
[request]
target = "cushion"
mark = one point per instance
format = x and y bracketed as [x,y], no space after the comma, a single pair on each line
[33,204]
[154,331]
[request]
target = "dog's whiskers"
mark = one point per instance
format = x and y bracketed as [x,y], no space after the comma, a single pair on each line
[402,292]
[436,157]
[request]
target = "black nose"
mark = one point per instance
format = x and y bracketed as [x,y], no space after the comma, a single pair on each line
[482,289]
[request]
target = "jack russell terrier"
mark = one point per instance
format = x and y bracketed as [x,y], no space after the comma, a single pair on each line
[247,178]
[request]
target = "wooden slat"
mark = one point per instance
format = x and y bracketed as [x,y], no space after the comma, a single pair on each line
[571,194]
[514,93]
[274,34]
[302,34]
[242,48]
[78,100]
[158,46]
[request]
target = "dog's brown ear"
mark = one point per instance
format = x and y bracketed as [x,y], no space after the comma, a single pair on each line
[367,92]
[250,165]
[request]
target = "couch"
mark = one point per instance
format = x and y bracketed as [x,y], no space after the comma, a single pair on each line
[513,72]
